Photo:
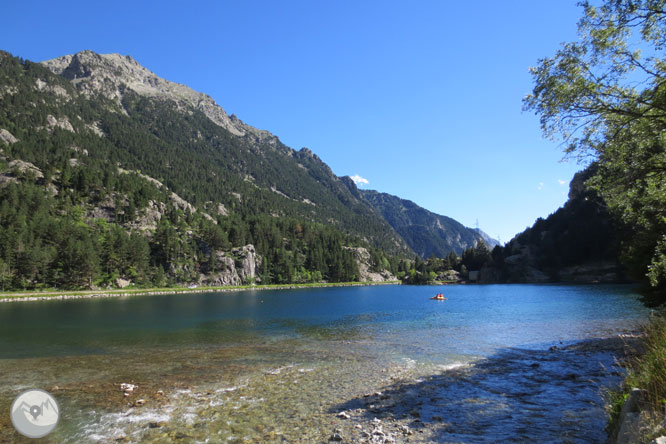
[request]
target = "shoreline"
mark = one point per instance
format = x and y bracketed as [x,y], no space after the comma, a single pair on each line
[418,408]
[30,296]
[402,406]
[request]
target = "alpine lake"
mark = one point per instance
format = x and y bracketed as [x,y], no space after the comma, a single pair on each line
[492,363]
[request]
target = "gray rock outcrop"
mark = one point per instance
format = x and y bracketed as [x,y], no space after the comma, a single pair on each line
[247,261]
[150,216]
[7,137]
[62,123]
[21,167]
[235,268]
[362,257]
[53,89]
[449,275]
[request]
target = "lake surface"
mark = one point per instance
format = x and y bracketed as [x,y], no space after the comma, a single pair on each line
[278,366]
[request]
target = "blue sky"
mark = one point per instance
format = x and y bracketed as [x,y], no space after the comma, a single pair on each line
[421,99]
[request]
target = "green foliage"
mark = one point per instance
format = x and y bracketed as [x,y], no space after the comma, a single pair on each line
[49,242]
[426,272]
[657,268]
[605,95]
[580,232]
[646,371]
[476,257]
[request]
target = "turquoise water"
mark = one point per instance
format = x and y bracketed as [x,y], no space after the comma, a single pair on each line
[295,353]
[474,320]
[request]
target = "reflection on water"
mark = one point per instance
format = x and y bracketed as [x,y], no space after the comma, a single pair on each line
[264,366]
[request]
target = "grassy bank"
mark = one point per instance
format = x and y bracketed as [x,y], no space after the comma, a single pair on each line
[74,294]
[647,372]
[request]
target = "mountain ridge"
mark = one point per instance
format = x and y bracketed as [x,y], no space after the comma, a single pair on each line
[426,232]
[94,73]
[121,79]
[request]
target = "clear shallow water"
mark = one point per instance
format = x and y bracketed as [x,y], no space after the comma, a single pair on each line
[266,365]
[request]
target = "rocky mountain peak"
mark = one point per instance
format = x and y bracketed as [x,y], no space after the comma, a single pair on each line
[112,74]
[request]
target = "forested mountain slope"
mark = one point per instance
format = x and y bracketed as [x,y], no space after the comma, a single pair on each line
[110,174]
[425,232]
[578,242]
[184,139]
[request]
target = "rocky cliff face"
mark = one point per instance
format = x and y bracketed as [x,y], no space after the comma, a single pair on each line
[113,74]
[237,267]
[362,257]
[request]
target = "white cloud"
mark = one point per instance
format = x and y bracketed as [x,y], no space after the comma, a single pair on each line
[561,182]
[358,180]
[540,187]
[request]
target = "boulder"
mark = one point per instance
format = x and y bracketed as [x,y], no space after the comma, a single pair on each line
[122,283]
[630,417]
[127,387]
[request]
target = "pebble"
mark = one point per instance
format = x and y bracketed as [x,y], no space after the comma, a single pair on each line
[343,415]
[126,387]
[336,437]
